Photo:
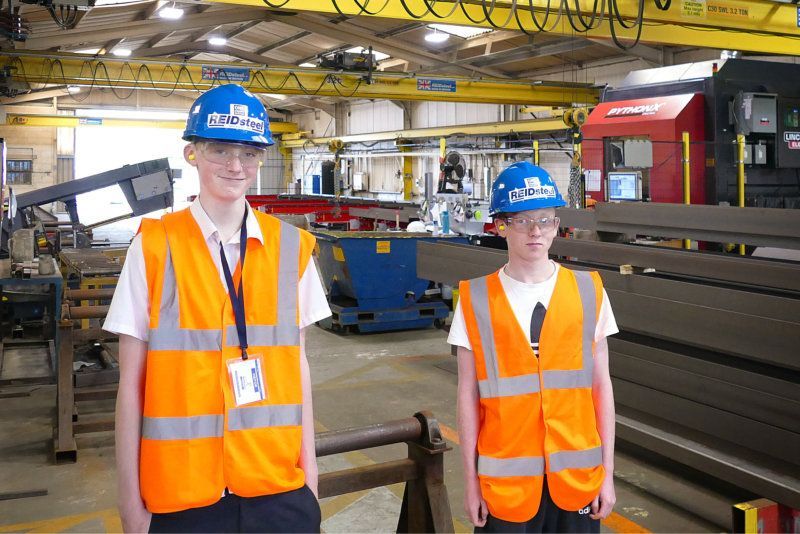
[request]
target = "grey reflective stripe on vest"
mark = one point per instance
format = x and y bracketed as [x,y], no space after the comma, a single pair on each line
[527,466]
[265,416]
[494,385]
[170,336]
[509,387]
[281,334]
[288,272]
[533,466]
[575,459]
[480,306]
[196,427]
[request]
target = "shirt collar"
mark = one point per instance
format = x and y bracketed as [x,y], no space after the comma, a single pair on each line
[209,230]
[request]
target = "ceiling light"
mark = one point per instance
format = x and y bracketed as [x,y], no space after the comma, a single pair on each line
[730,54]
[121,52]
[461,31]
[72,89]
[217,40]
[307,65]
[436,36]
[89,51]
[170,12]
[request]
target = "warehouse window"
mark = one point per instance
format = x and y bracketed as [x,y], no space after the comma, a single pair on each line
[19,171]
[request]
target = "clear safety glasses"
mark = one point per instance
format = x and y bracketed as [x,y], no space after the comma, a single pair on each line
[526,224]
[250,157]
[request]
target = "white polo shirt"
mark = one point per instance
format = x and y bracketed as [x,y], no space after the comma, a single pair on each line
[129,312]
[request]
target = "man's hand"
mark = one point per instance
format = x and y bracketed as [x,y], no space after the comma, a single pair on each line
[474,505]
[135,518]
[605,501]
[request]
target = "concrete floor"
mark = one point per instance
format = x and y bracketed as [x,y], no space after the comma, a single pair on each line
[358,380]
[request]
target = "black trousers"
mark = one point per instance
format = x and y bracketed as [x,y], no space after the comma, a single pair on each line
[292,511]
[549,518]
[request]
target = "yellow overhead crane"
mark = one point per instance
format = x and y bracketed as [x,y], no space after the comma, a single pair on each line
[765,26]
[549,124]
[166,75]
[70,121]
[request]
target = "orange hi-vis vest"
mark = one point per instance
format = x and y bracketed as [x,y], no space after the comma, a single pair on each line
[195,441]
[537,416]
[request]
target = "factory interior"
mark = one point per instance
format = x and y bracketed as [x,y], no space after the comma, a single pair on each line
[670,128]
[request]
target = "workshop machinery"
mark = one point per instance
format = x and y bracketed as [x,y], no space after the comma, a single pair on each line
[633,140]
[147,187]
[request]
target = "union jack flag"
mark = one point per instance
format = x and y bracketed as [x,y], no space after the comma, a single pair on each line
[423,85]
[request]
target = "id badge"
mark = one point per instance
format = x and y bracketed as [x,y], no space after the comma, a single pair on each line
[247,380]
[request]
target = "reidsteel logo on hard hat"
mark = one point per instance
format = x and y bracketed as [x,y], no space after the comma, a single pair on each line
[631,111]
[237,119]
[533,189]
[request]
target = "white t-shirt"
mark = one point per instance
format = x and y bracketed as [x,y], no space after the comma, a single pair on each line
[523,298]
[129,312]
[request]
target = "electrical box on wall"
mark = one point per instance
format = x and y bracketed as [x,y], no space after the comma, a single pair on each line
[638,153]
[360,181]
[789,133]
[755,113]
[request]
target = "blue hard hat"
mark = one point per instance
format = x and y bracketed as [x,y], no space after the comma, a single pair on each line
[524,186]
[229,113]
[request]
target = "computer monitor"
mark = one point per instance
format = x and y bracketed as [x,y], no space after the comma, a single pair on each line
[624,186]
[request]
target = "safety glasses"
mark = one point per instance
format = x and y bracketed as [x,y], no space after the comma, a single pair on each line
[526,224]
[250,157]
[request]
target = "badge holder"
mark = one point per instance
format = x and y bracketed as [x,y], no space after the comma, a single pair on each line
[247,379]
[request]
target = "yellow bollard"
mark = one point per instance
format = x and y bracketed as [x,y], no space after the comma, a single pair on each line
[741,177]
[687,183]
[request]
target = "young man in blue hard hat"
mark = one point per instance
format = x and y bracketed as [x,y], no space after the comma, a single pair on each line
[214,425]
[535,404]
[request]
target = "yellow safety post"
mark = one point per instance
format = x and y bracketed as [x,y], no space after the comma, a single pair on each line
[536,152]
[288,168]
[408,170]
[741,178]
[687,183]
[442,154]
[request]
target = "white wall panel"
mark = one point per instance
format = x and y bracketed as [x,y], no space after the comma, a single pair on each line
[378,116]
[433,114]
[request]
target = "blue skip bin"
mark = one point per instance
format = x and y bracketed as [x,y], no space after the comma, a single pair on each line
[372,283]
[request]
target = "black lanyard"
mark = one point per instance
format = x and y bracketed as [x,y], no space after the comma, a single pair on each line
[237,301]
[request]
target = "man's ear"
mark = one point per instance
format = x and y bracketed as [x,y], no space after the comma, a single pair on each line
[190,154]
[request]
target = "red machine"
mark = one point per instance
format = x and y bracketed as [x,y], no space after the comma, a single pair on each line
[643,137]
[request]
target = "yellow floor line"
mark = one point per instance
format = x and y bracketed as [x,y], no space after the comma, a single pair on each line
[623,525]
[449,434]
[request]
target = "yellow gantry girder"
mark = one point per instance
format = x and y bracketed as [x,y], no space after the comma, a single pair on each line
[490,128]
[166,76]
[69,121]
[749,25]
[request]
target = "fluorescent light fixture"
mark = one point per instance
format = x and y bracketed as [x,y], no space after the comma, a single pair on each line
[121,52]
[730,54]
[170,12]
[436,36]
[307,65]
[88,51]
[217,40]
[461,31]
[72,89]
[379,56]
